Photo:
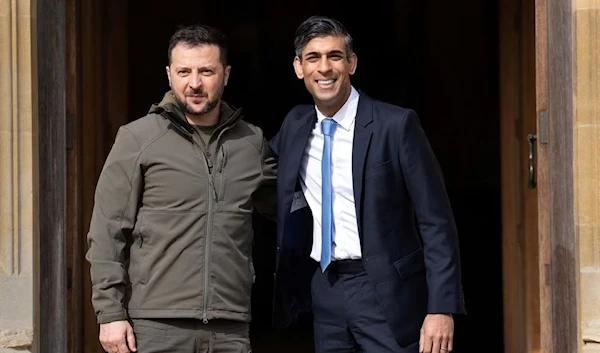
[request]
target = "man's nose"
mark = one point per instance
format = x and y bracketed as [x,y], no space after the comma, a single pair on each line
[324,65]
[195,80]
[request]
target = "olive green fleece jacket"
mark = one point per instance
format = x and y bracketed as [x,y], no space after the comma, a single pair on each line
[171,231]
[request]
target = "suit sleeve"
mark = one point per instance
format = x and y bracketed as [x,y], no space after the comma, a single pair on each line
[274,144]
[113,218]
[425,185]
[265,198]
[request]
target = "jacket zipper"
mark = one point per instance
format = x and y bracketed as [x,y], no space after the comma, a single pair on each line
[213,192]
[208,237]
[209,168]
[215,198]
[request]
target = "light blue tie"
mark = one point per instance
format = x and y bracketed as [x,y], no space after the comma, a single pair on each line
[328,127]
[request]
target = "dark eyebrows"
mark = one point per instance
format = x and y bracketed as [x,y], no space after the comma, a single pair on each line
[203,68]
[333,52]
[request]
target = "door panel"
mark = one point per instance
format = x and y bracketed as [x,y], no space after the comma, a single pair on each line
[96,107]
[519,194]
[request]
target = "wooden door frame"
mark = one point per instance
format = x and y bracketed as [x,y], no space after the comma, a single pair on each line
[70,105]
[557,245]
[559,251]
[50,166]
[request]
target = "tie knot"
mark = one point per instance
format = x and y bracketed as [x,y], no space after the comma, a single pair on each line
[328,126]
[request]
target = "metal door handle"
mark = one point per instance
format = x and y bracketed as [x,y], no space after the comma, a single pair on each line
[531,178]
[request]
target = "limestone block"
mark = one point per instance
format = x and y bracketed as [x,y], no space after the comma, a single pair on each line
[587,175]
[587,165]
[591,338]
[16,339]
[587,84]
[590,300]
[16,305]
[586,4]
[16,175]
[587,348]
[16,138]
[589,246]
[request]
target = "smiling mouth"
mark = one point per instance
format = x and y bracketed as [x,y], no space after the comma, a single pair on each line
[326,83]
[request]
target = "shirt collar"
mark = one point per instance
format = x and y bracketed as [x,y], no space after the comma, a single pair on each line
[347,113]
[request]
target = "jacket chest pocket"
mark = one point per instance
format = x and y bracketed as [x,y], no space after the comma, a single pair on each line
[221,170]
[378,169]
[238,173]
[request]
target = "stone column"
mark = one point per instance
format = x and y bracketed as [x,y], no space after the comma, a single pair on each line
[587,165]
[16,176]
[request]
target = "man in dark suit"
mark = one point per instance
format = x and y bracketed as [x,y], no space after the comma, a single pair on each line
[361,198]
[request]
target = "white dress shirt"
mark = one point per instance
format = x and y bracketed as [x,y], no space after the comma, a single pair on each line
[346,243]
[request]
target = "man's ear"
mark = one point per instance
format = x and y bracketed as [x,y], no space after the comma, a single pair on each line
[168,75]
[227,72]
[353,62]
[298,67]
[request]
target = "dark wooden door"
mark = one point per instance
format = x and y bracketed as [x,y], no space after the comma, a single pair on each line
[521,279]
[97,104]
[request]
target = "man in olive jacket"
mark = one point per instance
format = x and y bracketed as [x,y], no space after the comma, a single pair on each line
[170,240]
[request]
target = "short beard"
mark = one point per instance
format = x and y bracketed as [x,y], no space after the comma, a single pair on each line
[210,105]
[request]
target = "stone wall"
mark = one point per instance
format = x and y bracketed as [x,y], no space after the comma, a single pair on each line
[16,176]
[587,165]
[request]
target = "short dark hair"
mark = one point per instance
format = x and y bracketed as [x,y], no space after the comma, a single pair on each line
[321,26]
[197,35]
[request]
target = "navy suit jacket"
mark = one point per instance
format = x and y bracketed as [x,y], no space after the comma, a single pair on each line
[407,232]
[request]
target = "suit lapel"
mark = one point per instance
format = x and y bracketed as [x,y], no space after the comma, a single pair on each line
[362,140]
[296,150]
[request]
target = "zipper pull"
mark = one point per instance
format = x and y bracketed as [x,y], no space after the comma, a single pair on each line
[213,189]
[208,162]
[222,164]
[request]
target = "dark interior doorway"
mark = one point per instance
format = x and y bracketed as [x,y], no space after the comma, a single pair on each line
[438,58]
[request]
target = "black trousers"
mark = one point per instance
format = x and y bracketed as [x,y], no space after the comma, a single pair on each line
[347,315]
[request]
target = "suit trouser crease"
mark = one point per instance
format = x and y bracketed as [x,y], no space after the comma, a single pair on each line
[348,317]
